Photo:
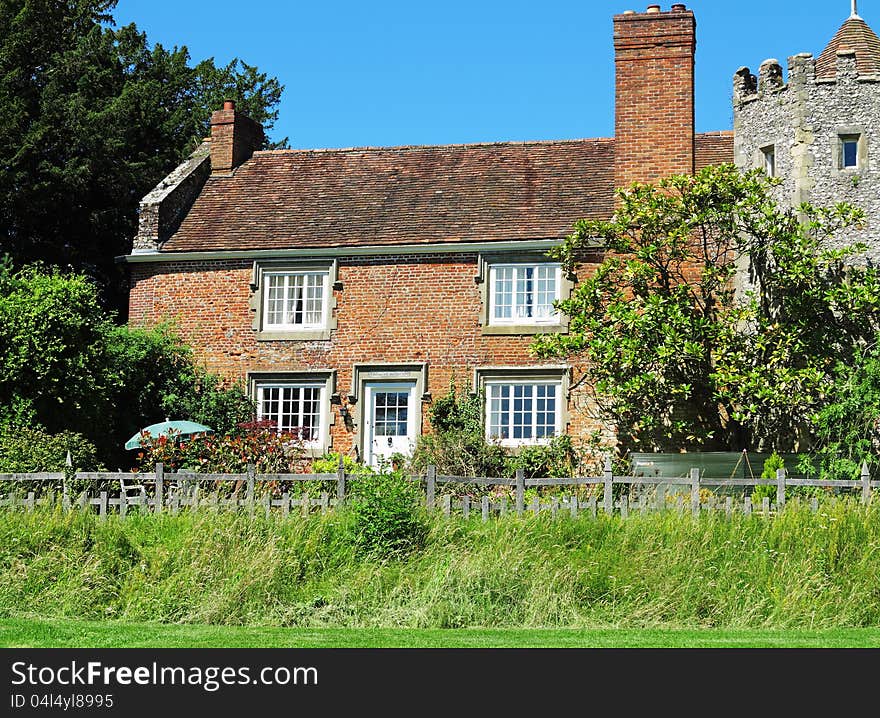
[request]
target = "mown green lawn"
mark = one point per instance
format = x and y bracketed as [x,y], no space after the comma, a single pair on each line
[64,633]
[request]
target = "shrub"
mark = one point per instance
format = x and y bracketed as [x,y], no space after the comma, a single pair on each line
[64,364]
[560,457]
[30,450]
[771,464]
[459,453]
[457,412]
[329,464]
[155,376]
[385,515]
[271,452]
[845,429]
[458,446]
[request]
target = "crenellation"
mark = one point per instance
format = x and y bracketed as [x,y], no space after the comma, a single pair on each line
[770,77]
[745,85]
[806,122]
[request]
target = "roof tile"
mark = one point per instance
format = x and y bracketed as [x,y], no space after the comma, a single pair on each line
[410,195]
[856,36]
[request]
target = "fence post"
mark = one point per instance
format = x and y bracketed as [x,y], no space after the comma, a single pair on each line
[340,481]
[780,489]
[866,483]
[65,494]
[31,498]
[608,476]
[520,491]
[102,509]
[305,504]
[160,487]
[695,491]
[123,505]
[431,490]
[251,478]
[484,505]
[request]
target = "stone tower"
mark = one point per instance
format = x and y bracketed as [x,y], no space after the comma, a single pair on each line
[819,131]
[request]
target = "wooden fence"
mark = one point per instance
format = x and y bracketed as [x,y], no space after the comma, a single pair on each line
[253,493]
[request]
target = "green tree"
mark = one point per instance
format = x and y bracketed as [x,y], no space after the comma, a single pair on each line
[64,366]
[91,118]
[676,356]
[847,427]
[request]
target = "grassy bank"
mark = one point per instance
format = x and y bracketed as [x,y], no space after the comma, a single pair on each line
[66,633]
[797,571]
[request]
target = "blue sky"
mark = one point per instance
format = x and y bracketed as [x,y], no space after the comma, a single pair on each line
[393,73]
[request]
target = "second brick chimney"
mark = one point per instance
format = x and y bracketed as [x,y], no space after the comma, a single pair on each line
[234,138]
[654,108]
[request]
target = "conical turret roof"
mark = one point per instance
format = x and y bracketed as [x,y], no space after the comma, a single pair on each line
[856,36]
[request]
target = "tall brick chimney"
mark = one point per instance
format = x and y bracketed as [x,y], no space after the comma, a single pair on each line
[654,109]
[234,138]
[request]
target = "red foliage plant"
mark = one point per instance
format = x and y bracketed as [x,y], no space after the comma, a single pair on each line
[255,442]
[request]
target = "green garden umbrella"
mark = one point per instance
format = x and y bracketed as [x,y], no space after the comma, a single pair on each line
[163,428]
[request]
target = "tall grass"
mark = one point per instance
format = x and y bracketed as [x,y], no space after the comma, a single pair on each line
[799,569]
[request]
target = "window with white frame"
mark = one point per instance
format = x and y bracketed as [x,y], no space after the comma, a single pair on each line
[294,300]
[523,411]
[524,293]
[296,408]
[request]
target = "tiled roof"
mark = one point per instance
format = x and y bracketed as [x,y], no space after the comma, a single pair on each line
[713,148]
[409,195]
[854,35]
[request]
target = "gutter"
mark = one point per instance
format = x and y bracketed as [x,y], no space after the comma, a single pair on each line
[342,251]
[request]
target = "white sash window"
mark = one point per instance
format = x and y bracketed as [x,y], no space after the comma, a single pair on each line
[524,293]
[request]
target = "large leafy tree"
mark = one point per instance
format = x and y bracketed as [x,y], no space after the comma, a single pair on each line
[717,317]
[65,366]
[91,118]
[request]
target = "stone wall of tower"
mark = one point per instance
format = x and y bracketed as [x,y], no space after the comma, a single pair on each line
[804,119]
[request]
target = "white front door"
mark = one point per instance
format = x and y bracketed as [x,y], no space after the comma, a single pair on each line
[390,421]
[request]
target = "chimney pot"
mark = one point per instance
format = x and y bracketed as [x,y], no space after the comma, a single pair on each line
[653,8]
[679,7]
[228,104]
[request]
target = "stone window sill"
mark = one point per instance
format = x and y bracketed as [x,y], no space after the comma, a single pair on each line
[304,336]
[514,329]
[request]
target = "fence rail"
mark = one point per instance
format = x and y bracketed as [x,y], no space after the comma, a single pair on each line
[160,492]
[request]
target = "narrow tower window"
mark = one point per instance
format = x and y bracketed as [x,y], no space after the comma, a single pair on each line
[769,153]
[849,151]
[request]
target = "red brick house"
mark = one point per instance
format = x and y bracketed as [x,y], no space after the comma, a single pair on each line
[347,287]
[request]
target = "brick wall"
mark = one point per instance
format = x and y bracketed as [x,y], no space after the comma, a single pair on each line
[393,309]
[654,107]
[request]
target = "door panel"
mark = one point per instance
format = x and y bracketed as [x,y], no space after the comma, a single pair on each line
[389,426]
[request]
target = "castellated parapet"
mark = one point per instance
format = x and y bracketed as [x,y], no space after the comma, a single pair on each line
[801,131]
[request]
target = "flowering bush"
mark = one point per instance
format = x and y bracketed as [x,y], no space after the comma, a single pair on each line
[255,442]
